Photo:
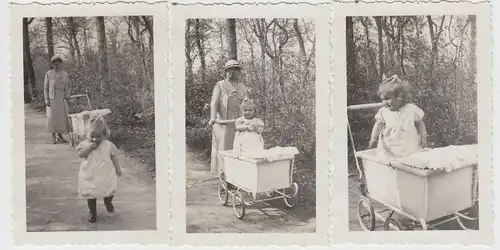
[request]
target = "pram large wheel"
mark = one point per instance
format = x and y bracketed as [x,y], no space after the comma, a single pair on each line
[472,220]
[392,225]
[292,193]
[238,205]
[366,215]
[223,192]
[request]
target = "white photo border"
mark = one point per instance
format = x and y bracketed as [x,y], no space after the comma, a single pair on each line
[146,237]
[341,233]
[319,13]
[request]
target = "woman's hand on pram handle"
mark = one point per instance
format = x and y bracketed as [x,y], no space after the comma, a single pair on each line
[212,122]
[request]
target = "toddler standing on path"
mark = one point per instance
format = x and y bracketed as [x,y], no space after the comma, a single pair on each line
[100,169]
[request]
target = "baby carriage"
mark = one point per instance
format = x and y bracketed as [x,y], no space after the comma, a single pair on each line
[428,197]
[79,121]
[255,175]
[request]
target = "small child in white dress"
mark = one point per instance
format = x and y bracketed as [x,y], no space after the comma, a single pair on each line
[248,129]
[399,129]
[100,168]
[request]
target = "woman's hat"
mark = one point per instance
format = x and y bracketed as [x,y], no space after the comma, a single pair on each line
[56,58]
[232,64]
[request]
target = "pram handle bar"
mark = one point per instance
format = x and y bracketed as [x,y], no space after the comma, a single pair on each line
[82,95]
[364,106]
[225,121]
[359,107]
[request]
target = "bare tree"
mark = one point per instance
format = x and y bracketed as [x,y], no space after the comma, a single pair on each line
[189,47]
[231,37]
[435,34]
[50,37]
[103,53]
[351,51]
[298,34]
[30,88]
[74,41]
[380,27]
[201,50]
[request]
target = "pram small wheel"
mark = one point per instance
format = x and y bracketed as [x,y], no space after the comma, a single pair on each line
[291,200]
[392,225]
[270,194]
[469,220]
[238,205]
[366,215]
[223,192]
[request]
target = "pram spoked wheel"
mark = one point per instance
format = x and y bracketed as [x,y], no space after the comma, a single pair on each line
[469,220]
[366,215]
[391,225]
[223,192]
[238,205]
[291,200]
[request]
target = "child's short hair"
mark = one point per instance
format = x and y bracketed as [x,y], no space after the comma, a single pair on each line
[248,103]
[97,123]
[395,86]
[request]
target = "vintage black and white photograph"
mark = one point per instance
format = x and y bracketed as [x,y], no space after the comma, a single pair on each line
[250,125]
[412,107]
[89,123]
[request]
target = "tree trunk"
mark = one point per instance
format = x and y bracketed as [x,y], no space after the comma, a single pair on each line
[378,21]
[26,49]
[189,60]
[201,51]
[75,45]
[149,27]
[351,52]
[231,37]
[473,58]
[50,37]
[103,51]
[301,41]
[368,46]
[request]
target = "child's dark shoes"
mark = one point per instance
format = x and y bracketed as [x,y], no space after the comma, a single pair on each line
[92,218]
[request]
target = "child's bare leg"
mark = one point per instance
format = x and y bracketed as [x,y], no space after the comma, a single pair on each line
[92,203]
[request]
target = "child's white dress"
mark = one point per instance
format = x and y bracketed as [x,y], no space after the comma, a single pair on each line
[97,177]
[399,136]
[246,141]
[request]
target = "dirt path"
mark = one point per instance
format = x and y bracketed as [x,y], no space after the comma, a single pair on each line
[355,195]
[51,188]
[205,214]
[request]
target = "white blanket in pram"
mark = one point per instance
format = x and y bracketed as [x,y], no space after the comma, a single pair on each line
[272,154]
[446,158]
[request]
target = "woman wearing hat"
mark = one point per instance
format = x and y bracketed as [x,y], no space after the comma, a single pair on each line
[56,90]
[228,94]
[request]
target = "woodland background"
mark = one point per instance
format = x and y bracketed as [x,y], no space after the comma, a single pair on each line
[278,60]
[436,54]
[109,58]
